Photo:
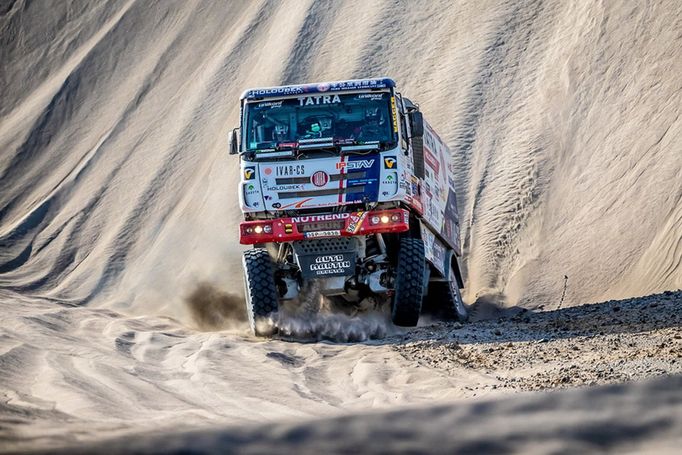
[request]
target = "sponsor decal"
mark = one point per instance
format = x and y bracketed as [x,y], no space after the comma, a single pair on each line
[391,178]
[434,250]
[271,104]
[249,173]
[290,169]
[276,205]
[348,85]
[315,234]
[356,222]
[275,91]
[320,178]
[395,115]
[389,162]
[320,99]
[371,96]
[360,164]
[334,261]
[356,182]
[417,204]
[298,204]
[431,160]
[284,187]
[314,218]
[323,87]
[327,264]
[251,187]
[267,170]
[267,197]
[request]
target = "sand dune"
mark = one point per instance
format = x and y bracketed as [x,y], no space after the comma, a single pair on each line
[118,252]
[564,119]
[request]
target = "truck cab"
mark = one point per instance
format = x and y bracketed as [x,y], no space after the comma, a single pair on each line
[345,185]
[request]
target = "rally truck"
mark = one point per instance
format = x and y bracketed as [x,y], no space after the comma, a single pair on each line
[346,187]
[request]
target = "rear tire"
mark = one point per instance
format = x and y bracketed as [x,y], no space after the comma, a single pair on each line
[409,283]
[262,299]
[448,299]
[448,305]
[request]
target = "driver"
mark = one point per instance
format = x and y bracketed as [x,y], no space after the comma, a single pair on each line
[318,127]
[280,133]
[373,117]
[371,125]
[314,130]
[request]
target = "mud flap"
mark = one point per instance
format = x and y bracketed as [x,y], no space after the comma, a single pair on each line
[333,257]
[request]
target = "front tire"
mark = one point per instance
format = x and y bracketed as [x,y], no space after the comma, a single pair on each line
[409,283]
[262,299]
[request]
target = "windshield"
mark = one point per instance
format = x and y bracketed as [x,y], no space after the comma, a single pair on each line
[325,120]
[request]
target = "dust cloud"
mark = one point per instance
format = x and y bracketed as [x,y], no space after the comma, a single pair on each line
[334,326]
[214,309]
[316,317]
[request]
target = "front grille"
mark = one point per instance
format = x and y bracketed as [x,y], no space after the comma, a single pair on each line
[327,192]
[325,246]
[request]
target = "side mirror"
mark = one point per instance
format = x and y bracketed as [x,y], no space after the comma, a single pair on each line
[232,141]
[417,124]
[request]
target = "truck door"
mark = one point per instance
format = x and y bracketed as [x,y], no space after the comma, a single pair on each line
[412,132]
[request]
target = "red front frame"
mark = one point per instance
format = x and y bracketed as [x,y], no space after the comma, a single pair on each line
[355,223]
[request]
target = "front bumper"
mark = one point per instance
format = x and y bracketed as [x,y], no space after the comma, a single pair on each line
[341,225]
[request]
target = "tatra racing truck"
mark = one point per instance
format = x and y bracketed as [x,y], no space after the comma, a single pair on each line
[346,187]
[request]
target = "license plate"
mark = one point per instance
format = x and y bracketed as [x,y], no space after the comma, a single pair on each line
[324,265]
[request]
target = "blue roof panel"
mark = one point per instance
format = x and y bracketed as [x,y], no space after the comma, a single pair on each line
[321,87]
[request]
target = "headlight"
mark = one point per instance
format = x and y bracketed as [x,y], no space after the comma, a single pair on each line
[375,220]
[384,219]
[258,229]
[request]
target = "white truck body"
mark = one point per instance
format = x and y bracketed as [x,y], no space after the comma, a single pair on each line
[349,159]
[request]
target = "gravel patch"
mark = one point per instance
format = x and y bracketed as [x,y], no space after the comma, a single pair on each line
[601,343]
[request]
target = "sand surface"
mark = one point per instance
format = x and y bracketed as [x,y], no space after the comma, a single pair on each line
[626,418]
[120,279]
